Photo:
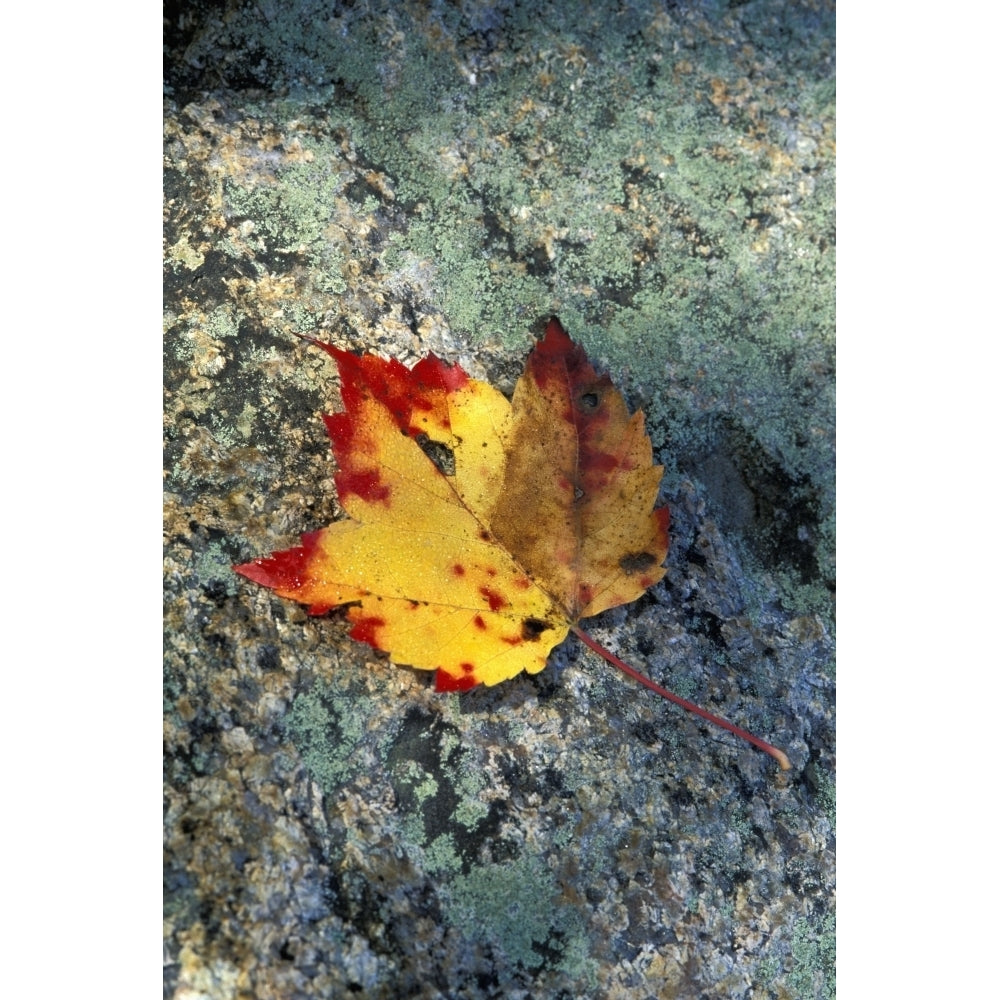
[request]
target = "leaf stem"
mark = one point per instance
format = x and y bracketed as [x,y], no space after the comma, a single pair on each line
[777,754]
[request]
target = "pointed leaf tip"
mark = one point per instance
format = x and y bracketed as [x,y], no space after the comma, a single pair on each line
[281,570]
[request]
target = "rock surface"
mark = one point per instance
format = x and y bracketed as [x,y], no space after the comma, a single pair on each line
[406,178]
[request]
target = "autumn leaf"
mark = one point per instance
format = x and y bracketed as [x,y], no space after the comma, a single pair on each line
[480,531]
[547,517]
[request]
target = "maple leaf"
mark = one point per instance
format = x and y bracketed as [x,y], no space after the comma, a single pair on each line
[547,518]
[480,531]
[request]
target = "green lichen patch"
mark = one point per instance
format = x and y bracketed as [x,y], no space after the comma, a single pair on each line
[438,779]
[515,907]
[213,570]
[814,958]
[440,856]
[327,729]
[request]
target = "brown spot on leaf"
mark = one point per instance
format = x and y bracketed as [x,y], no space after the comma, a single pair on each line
[532,628]
[637,562]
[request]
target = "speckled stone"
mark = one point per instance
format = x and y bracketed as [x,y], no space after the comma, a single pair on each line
[414,177]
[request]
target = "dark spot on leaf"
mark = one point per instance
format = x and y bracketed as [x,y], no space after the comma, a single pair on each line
[636,562]
[589,401]
[458,569]
[532,628]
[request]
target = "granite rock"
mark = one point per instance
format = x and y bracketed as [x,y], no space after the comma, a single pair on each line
[405,178]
